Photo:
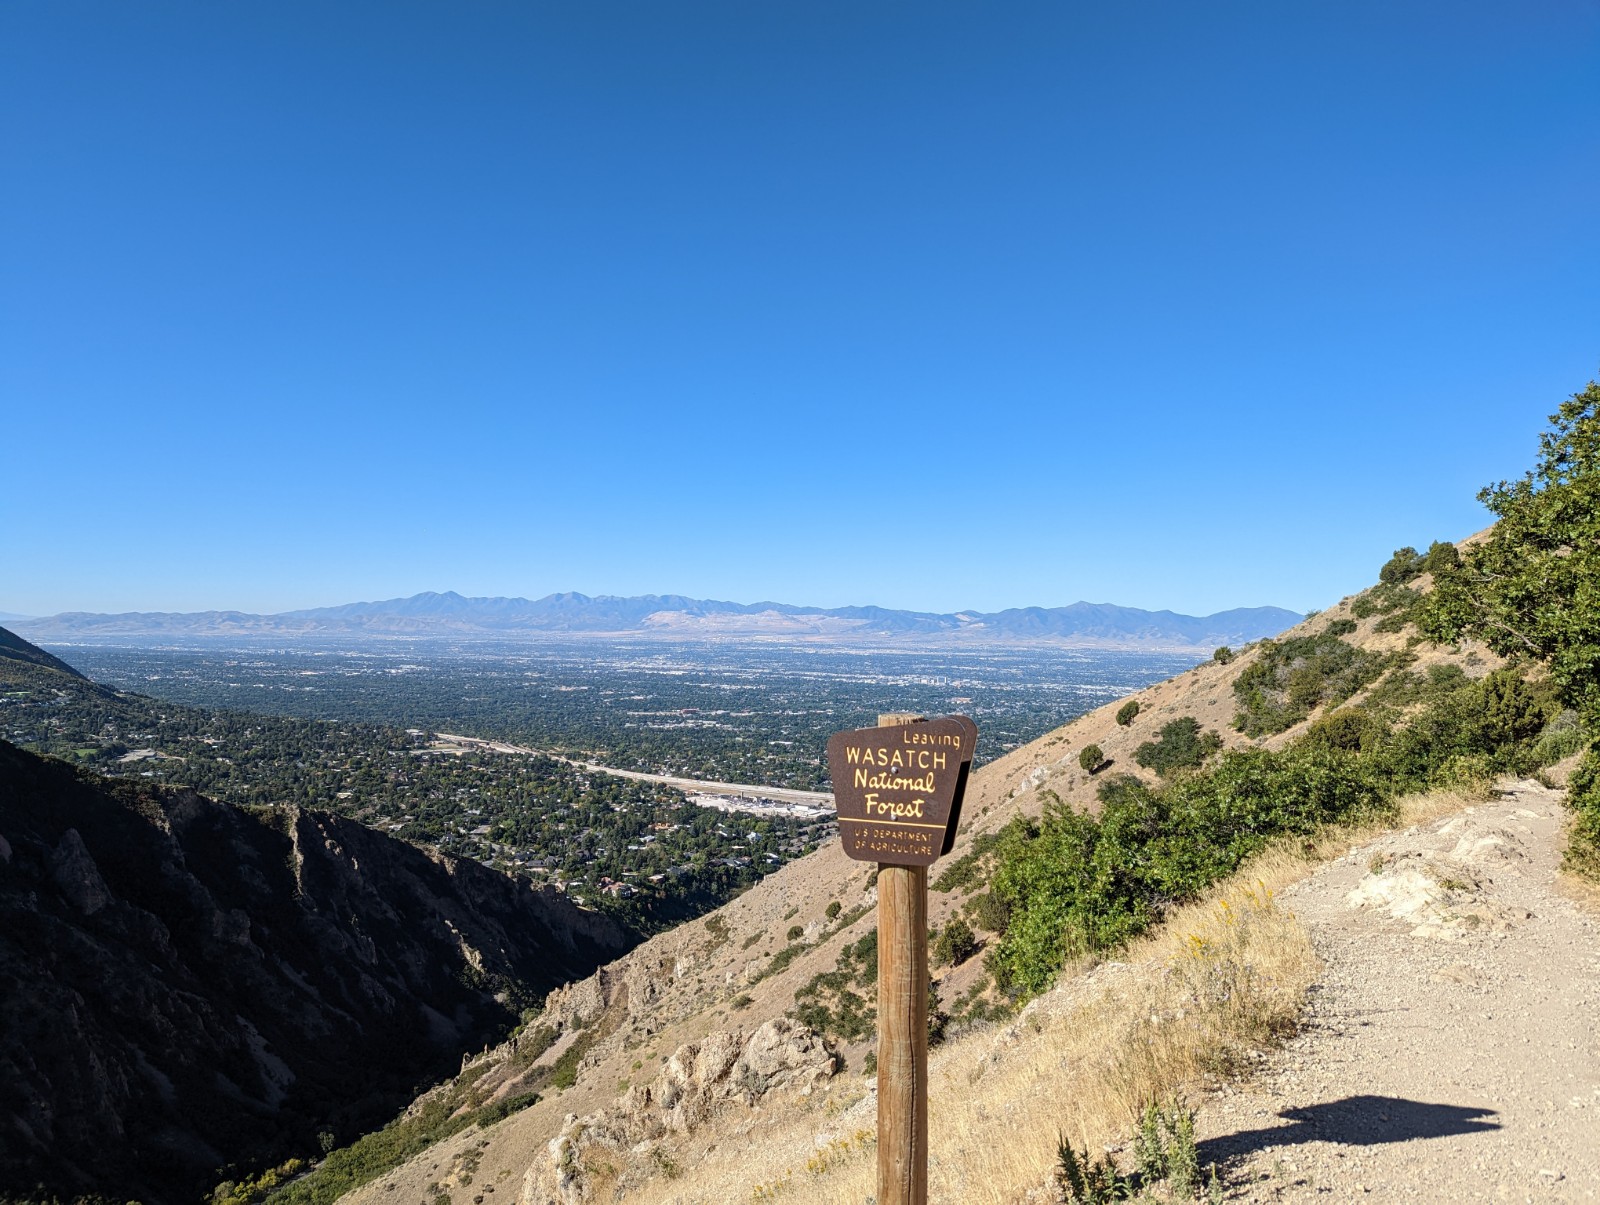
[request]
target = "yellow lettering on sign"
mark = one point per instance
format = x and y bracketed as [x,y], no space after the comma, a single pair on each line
[897,811]
[892,782]
[910,735]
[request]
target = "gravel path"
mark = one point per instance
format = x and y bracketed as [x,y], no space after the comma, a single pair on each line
[1451,1051]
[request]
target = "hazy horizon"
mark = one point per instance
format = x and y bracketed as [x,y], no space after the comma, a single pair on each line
[785,602]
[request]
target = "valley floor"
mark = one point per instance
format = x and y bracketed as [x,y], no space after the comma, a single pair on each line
[1451,1047]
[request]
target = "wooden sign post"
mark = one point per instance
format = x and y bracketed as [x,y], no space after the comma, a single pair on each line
[898,791]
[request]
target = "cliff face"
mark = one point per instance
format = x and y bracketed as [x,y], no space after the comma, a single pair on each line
[184,984]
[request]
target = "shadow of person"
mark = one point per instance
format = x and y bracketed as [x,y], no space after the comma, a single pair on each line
[1353,1121]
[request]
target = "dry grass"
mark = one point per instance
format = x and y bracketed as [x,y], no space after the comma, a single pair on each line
[1183,1007]
[1220,979]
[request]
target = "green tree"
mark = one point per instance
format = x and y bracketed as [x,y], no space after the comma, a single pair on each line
[1222,655]
[1442,555]
[1091,758]
[1404,565]
[1532,587]
[1128,712]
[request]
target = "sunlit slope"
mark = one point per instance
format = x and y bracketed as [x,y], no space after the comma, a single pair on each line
[742,965]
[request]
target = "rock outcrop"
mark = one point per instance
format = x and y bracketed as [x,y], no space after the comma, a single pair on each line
[699,1079]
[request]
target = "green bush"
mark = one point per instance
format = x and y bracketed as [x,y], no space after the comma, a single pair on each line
[832,910]
[965,872]
[1441,556]
[781,960]
[1179,745]
[1405,564]
[1165,1150]
[1500,718]
[1583,797]
[1083,1180]
[840,1002]
[1223,655]
[500,1110]
[1399,603]
[956,943]
[796,932]
[938,1019]
[988,911]
[371,1155]
[565,1071]
[1091,758]
[1350,729]
[1128,712]
[1562,737]
[1088,883]
[531,1043]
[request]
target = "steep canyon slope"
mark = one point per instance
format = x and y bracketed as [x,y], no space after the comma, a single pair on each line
[188,985]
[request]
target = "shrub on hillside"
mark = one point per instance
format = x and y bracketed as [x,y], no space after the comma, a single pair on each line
[1223,655]
[1179,745]
[1562,737]
[1441,556]
[956,943]
[963,873]
[1087,883]
[1583,795]
[1395,602]
[1128,712]
[1405,564]
[1091,758]
[841,1002]
[988,911]
[1350,729]
[1293,677]
[1499,717]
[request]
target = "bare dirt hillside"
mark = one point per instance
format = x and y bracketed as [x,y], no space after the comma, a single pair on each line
[739,968]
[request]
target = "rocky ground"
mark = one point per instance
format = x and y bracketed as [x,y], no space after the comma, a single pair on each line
[1451,1050]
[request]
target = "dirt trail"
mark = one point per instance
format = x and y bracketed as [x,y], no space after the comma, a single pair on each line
[1452,1044]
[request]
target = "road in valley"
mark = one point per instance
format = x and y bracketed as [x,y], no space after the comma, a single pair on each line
[715,794]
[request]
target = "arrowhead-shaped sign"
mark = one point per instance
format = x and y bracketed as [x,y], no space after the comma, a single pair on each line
[898,789]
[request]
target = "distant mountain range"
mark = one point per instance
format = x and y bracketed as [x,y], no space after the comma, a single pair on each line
[449,615]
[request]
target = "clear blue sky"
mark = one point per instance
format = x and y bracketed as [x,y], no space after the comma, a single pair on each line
[927,305]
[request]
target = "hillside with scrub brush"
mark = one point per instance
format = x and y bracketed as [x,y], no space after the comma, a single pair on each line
[1400,701]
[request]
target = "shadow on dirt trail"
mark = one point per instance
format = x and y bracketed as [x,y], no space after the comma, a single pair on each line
[1353,1121]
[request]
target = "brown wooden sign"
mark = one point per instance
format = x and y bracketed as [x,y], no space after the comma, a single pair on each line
[898,790]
